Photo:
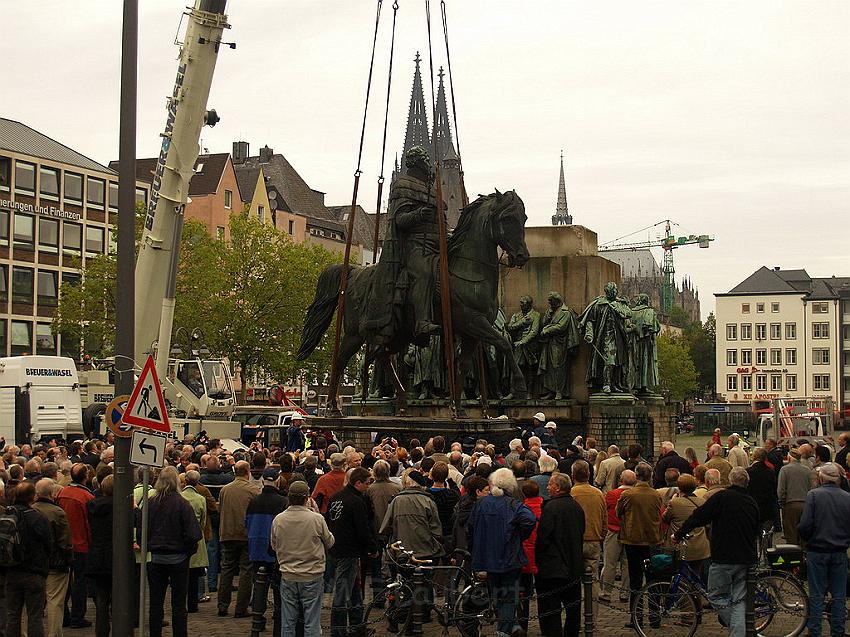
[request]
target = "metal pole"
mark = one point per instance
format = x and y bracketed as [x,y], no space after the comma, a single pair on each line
[261,591]
[587,584]
[143,562]
[750,601]
[418,601]
[122,536]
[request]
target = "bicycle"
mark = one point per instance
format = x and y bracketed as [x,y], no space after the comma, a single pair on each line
[674,601]
[467,605]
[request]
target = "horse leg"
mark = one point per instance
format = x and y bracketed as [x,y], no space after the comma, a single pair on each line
[465,362]
[347,348]
[400,391]
[479,327]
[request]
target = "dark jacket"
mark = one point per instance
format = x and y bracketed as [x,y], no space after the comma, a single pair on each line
[294,438]
[215,479]
[258,522]
[734,519]
[495,530]
[824,522]
[776,458]
[172,525]
[350,521]
[446,500]
[36,540]
[670,460]
[560,533]
[460,517]
[99,560]
[62,552]
[762,489]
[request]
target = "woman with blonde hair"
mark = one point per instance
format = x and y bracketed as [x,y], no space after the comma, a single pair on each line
[696,550]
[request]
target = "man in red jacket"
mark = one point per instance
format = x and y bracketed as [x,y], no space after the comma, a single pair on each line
[73,499]
[613,551]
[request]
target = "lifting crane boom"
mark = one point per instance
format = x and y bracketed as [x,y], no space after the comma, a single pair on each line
[668,243]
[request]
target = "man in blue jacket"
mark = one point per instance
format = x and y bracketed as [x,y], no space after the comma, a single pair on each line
[826,532]
[496,528]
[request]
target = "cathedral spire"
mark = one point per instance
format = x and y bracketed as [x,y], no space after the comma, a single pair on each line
[562,214]
[443,146]
[417,133]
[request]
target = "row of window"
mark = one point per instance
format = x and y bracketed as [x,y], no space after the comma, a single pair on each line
[820,356]
[28,284]
[820,382]
[19,334]
[819,330]
[818,307]
[53,234]
[30,178]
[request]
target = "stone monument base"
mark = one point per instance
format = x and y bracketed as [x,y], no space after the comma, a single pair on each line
[564,412]
[623,419]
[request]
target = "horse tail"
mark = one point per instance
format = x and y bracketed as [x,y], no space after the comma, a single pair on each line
[321,310]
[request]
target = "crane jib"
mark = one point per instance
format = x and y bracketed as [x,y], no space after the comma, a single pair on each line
[166,145]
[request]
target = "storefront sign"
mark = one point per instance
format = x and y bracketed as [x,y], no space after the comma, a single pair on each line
[47,211]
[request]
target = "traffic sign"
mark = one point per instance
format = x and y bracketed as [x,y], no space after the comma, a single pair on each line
[146,407]
[147,448]
[113,415]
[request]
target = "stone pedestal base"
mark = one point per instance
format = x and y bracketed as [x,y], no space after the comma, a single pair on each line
[622,420]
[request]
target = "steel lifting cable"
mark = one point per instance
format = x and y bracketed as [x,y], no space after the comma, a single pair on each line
[465,200]
[343,282]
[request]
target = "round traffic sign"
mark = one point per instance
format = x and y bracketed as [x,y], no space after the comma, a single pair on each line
[113,415]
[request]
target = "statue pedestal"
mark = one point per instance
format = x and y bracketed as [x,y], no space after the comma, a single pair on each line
[623,419]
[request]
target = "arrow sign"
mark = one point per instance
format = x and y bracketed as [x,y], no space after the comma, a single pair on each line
[147,448]
[146,407]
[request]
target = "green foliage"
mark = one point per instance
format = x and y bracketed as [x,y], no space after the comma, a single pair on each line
[676,371]
[702,340]
[678,317]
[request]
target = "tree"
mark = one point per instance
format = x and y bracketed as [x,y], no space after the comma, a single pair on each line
[676,371]
[678,317]
[702,339]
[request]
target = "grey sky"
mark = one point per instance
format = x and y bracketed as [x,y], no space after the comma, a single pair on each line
[728,117]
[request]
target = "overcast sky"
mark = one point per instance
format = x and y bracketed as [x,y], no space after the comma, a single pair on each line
[731,118]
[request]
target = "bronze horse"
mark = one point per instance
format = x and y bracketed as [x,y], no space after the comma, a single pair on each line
[487,224]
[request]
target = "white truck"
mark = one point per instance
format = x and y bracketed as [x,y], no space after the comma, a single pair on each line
[39,398]
[791,419]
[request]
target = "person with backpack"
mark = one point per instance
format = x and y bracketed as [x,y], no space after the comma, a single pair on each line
[61,555]
[25,547]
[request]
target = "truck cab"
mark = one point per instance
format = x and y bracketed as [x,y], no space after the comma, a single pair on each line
[39,399]
[200,388]
[793,419]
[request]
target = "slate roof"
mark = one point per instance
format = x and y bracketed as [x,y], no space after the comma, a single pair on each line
[202,183]
[20,138]
[364,224]
[774,281]
[246,178]
[634,264]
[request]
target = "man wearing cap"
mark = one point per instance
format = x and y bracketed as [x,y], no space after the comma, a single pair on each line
[827,535]
[795,480]
[300,538]
[538,420]
[547,434]
[295,436]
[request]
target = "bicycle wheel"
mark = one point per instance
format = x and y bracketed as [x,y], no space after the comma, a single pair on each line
[392,607]
[661,609]
[781,605]
[473,610]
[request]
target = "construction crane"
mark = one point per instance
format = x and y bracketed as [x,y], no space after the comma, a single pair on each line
[668,243]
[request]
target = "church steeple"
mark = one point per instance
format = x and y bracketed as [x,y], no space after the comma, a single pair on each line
[417,133]
[562,214]
[443,146]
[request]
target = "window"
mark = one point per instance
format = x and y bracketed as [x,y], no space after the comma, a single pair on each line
[820,382]
[820,356]
[776,356]
[141,197]
[821,307]
[761,331]
[746,357]
[48,287]
[22,280]
[219,233]
[732,382]
[5,184]
[776,382]
[746,383]
[72,242]
[731,330]
[791,356]
[70,347]
[774,307]
[74,188]
[746,331]
[291,227]
[228,199]
[261,213]
[761,357]
[761,382]
[3,339]
[71,278]
[94,239]
[45,341]
[48,235]
[4,227]
[24,177]
[24,231]
[4,289]
[775,331]
[745,308]
[791,382]
[820,330]
[48,182]
[95,192]
[760,308]
[790,331]
[731,357]
[113,195]
[21,338]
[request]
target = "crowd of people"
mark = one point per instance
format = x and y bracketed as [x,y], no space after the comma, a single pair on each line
[534,516]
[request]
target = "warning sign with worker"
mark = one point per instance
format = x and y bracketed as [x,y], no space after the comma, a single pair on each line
[146,407]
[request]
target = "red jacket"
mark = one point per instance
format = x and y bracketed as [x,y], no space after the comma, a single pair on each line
[73,500]
[535,504]
[611,499]
[327,486]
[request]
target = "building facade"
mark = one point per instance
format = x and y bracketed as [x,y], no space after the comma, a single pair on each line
[56,209]
[782,333]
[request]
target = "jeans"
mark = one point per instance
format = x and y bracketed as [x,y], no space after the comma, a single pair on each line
[504,589]
[526,592]
[102,604]
[827,572]
[297,597]
[727,589]
[553,597]
[330,571]
[234,554]
[213,555]
[79,589]
[196,577]
[347,608]
[636,554]
[261,594]
[159,577]
[25,590]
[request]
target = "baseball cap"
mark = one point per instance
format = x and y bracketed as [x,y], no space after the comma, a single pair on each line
[297,416]
[795,453]
[540,416]
[299,487]
[485,459]
[338,459]
[551,425]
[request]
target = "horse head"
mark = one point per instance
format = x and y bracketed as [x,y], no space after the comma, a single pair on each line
[507,221]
